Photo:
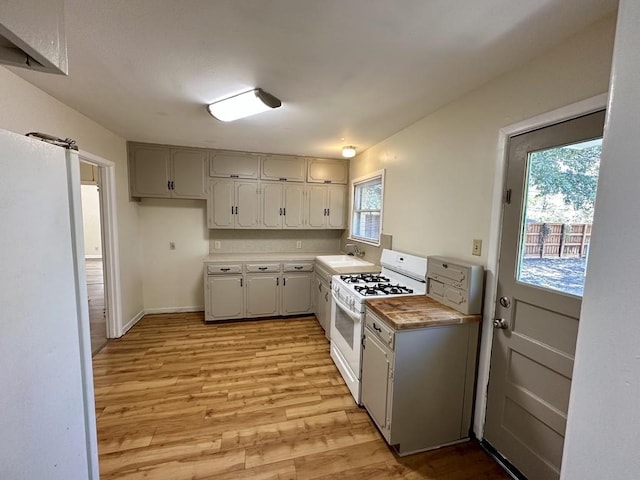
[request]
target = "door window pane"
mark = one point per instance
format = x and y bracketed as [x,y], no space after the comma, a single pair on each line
[558,212]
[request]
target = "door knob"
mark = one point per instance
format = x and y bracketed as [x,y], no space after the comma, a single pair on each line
[500,323]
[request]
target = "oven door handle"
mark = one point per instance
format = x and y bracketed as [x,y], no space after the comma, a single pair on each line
[355,316]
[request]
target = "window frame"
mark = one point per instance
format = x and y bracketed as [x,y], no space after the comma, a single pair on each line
[355,183]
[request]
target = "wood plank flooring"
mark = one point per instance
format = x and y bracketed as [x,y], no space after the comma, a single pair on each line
[179,399]
[95,290]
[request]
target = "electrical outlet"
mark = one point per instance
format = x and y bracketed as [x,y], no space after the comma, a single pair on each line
[172,245]
[299,244]
[477,247]
[216,244]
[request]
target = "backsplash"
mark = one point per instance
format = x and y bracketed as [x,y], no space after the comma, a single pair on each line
[371,253]
[275,241]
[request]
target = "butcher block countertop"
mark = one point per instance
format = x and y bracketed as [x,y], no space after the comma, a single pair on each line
[417,311]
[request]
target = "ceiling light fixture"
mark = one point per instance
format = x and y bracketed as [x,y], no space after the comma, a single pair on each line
[243,105]
[349,151]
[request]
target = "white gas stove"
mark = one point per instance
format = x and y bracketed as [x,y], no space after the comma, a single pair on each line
[401,274]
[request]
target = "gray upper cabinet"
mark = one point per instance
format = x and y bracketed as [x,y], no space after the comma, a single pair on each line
[188,173]
[150,168]
[163,172]
[32,35]
[284,168]
[234,165]
[324,170]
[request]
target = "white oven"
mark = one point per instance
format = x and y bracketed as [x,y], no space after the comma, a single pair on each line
[346,330]
[401,274]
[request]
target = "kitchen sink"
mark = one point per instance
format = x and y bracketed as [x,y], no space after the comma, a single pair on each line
[346,264]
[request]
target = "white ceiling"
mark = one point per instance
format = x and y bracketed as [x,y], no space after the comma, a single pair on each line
[347,71]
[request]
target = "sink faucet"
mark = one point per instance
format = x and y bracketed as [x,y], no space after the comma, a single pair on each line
[355,250]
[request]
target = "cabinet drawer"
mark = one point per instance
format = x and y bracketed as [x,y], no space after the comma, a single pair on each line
[381,330]
[447,273]
[262,267]
[224,269]
[298,267]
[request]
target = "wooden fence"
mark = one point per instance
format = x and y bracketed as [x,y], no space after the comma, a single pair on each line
[557,239]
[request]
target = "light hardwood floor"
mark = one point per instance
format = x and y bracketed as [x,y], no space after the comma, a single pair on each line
[179,399]
[95,290]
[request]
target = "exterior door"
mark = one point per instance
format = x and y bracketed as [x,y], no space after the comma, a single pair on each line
[551,179]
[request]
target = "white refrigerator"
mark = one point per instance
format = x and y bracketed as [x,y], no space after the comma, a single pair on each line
[47,409]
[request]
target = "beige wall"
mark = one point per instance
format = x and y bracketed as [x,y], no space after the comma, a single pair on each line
[25,108]
[91,221]
[172,279]
[440,170]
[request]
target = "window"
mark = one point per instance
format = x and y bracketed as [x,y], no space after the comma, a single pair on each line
[366,218]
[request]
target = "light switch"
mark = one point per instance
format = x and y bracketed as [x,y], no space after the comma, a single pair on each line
[299,244]
[172,245]
[477,247]
[216,244]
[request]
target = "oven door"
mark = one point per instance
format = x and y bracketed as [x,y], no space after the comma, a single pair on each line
[346,335]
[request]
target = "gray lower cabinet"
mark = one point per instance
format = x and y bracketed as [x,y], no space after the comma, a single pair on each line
[322,302]
[417,384]
[224,297]
[296,293]
[253,290]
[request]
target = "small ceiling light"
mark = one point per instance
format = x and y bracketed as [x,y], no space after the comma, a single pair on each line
[349,151]
[243,105]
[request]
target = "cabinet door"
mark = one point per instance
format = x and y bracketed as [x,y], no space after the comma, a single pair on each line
[271,205]
[376,382]
[189,173]
[337,207]
[324,170]
[221,205]
[234,165]
[150,171]
[294,211]
[296,294]
[283,168]
[317,206]
[247,211]
[262,295]
[226,296]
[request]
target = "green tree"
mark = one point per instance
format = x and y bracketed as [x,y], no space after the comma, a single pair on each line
[570,172]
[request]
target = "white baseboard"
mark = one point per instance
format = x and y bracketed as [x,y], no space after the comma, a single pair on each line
[132,322]
[151,311]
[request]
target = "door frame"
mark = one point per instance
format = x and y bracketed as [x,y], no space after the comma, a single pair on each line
[574,110]
[110,249]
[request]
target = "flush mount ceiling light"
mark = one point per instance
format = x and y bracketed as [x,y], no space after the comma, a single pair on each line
[243,105]
[349,151]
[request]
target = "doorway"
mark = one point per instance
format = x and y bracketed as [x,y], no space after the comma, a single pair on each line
[93,257]
[551,184]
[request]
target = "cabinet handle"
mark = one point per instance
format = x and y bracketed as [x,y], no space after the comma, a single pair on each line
[298,267]
[225,269]
[241,282]
[328,212]
[326,297]
[173,185]
[236,210]
[284,281]
[231,210]
[277,281]
[280,210]
[284,211]
[319,286]
[168,184]
[262,268]
[376,328]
